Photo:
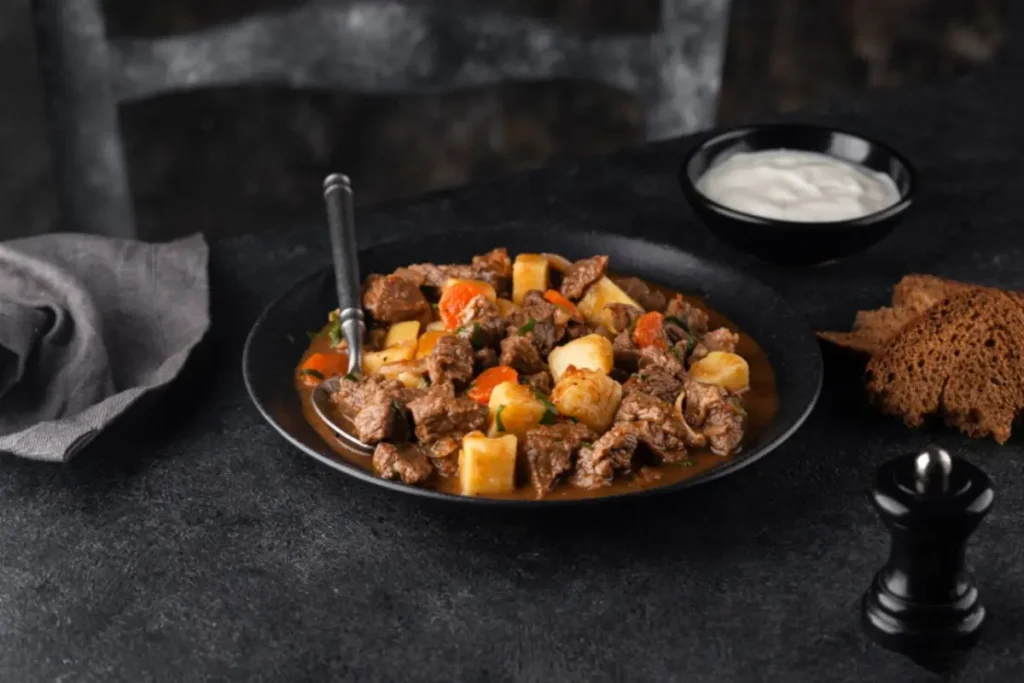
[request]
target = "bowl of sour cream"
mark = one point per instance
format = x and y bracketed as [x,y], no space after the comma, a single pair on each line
[797,194]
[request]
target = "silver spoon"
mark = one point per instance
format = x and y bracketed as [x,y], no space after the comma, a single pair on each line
[341,227]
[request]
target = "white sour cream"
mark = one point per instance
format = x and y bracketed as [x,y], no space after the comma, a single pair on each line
[797,186]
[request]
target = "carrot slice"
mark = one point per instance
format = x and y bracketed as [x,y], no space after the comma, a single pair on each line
[455,299]
[481,388]
[650,331]
[319,366]
[555,297]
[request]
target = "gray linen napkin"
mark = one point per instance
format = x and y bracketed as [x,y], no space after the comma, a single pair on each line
[87,326]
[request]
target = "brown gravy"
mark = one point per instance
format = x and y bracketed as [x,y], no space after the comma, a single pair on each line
[761,403]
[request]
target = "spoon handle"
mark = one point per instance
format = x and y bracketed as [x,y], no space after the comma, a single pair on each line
[344,254]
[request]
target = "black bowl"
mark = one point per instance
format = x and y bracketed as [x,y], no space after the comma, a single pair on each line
[278,338]
[787,242]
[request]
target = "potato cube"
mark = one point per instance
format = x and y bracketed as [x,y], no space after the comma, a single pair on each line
[529,271]
[505,307]
[590,397]
[408,372]
[486,287]
[727,370]
[591,352]
[487,466]
[427,342]
[519,407]
[402,333]
[436,326]
[373,361]
[599,295]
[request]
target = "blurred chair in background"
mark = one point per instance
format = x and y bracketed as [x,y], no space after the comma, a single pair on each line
[363,46]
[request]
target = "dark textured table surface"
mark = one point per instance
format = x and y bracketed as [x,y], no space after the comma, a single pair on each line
[191,543]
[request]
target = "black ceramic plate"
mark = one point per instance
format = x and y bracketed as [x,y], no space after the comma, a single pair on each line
[278,338]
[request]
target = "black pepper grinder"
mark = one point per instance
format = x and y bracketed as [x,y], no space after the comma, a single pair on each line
[922,603]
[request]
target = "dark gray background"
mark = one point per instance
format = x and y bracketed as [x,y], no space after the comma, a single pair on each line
[230,160]
[194,544]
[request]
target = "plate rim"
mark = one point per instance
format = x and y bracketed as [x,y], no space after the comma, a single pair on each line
[340,465]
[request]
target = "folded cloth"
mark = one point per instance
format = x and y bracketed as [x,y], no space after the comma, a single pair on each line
[87,326]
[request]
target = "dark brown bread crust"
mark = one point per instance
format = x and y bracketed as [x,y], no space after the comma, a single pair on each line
[945,349]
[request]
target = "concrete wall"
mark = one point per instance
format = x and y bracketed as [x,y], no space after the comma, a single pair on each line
[26,191]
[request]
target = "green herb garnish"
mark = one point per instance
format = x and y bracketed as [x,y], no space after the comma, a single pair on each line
[334,327]
[497,418]
[688,463]
[691,341]
[678,321]
[433,306]
[528,327]
[550,415]
[677,353]
[351,377]
[313,334]
[313,373]
[587,444]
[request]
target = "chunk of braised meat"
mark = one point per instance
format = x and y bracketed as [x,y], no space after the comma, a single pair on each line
[695,319]
[393,299]
[597,463]
[548,450]
[433,275]
[581,275]
[544,319]
[658,426]
[540,381]
[546,335]
[519,353]
[719,417]
[444,456]
[493,266]
[623,316]
[638,290]
[375,421]
[721,339]
[483,359]
[481,323]
[575,329]
[626,354]
[438,414]
[451,361]
[699,399]
[652,357]
[723,427]
[534,305]
[654,381]
[479,308]
[406,461]
[374,405]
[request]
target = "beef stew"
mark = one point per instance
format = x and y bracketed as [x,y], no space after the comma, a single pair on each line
[540,378]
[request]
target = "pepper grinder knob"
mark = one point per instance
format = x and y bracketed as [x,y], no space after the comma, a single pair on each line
[922,602]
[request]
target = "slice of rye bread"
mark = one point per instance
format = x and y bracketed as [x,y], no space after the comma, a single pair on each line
[912,296]
[985,391]
[907,378]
